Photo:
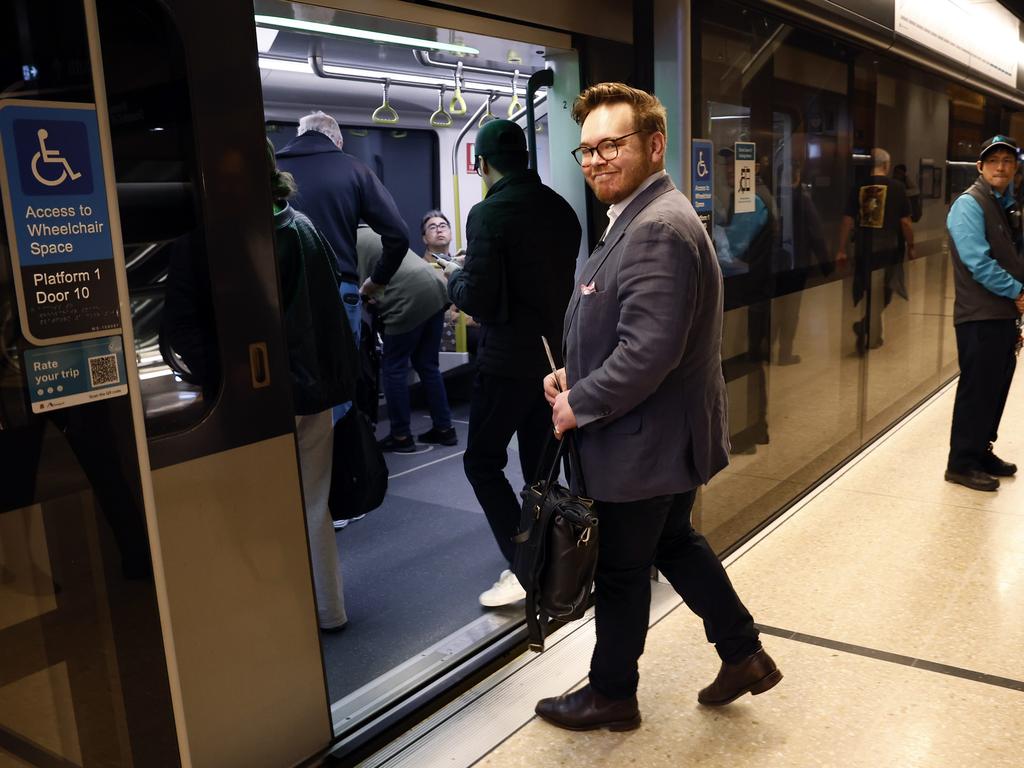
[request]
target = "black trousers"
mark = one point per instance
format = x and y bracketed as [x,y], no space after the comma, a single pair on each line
[634,536]
[987,361]
[502,407]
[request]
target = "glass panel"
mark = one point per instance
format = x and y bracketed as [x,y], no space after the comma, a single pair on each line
[912,348]
[154,162]
[792,374]
[82,673]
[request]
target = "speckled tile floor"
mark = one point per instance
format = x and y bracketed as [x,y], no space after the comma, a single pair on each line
[889,560]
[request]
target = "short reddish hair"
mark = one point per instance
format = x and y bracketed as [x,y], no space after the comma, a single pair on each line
[648,112]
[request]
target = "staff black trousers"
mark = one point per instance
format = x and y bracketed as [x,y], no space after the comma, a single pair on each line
[987,361]
[501,407]
[634,536]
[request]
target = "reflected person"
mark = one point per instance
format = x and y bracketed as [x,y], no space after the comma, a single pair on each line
[878,214]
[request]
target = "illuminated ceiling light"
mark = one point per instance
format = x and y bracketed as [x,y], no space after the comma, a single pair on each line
[362,34]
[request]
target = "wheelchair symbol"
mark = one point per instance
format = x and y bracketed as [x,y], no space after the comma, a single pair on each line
[702,167]
[51,157]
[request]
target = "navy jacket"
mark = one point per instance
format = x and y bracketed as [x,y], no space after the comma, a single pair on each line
[335,191]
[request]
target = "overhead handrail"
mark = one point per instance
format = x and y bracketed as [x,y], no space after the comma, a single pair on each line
[488,115]
[458,104]
[516,104]
[316,63]
[385,113]
[423,57]
[440,118]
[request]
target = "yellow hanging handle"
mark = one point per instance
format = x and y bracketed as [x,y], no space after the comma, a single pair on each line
[516,104]
[440,118]
[487,116]
[458,104]
[385,113]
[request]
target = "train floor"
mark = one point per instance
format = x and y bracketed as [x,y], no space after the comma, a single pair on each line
[414,567]
[892,601]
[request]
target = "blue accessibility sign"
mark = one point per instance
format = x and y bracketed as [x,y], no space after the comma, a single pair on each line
[702,181]
[55,199]
[63,375]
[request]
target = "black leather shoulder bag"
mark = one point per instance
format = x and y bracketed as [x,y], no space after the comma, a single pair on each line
[556,547]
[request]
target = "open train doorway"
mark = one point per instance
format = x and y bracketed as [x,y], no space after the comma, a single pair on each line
[409,98]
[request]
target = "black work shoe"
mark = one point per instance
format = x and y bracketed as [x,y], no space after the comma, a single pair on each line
[996,467]
[397,444]
[973,478]
[755,674]
[588,710]
[439,436]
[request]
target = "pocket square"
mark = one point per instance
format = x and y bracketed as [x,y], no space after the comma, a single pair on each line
[586,290]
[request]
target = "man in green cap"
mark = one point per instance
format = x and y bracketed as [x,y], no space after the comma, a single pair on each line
[522,243]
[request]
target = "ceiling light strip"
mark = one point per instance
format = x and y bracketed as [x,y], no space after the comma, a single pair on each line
[278,22]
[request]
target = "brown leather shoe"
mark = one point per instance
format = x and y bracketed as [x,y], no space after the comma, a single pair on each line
[756,674]
[588,710]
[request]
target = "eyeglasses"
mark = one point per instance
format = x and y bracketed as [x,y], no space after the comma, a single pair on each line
[440,226]
[608,149]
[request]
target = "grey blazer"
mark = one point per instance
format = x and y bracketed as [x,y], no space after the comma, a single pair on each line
[642,342]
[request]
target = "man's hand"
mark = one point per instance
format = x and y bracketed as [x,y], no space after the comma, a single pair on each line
[553,386]
[562,416]
[1019,301]
[369,289]
[841,258]
[450,268]
[911,255]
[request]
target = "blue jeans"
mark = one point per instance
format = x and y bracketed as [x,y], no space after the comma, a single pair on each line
[420,346]
[353,310]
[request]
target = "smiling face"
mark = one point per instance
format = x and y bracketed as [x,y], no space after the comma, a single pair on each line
[638,156]
[998,168]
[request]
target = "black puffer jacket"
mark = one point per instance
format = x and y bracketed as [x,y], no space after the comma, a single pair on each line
[321,348]
[523,239]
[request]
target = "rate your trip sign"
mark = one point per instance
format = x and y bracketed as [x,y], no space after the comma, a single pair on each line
[58,227]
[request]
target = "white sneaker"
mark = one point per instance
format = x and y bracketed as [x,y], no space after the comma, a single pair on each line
[339,524]
[506,590]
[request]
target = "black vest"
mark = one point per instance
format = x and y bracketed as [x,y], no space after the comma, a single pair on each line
[973,300]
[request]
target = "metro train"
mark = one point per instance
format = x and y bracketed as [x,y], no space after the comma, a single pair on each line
[156,603]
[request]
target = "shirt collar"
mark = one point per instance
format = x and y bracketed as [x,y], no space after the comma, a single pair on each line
[616,210]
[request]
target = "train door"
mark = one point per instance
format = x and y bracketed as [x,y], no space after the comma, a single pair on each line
[156,596]
[84,678]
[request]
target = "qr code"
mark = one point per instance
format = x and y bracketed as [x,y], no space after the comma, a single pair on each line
[103,370]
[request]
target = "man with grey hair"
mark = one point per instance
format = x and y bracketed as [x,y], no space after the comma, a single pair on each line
[336,191]
[881,211]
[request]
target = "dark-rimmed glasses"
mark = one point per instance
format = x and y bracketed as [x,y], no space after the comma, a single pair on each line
[607,149]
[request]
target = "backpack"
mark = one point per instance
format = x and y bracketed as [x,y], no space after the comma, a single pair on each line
[359,476]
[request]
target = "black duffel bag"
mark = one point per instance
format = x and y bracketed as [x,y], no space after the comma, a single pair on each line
[556,548]
[359,473]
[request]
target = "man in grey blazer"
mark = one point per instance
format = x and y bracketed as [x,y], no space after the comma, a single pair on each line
[643,387]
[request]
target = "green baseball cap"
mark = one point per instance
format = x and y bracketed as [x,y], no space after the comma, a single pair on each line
[500,137]
[996,142]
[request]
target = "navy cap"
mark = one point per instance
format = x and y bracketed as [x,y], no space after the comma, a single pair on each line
[500,137]
[996,142]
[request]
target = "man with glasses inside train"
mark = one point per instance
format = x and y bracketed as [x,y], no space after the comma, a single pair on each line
[643,387]
[988,269]
[522,242]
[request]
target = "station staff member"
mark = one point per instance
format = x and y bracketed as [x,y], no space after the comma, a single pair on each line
[988,269]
